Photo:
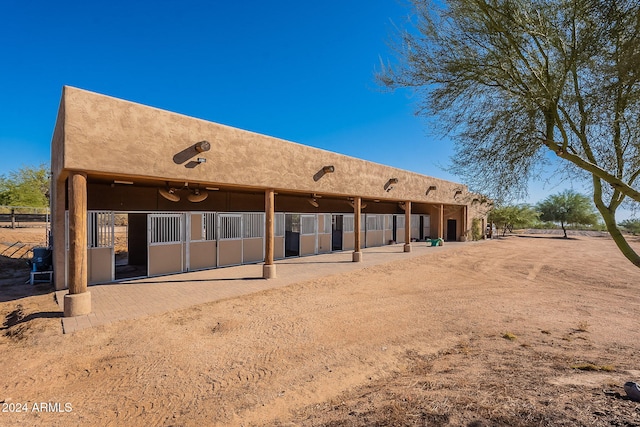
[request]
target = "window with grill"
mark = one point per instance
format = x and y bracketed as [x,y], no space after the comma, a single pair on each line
[388,222]
[326,223]
[415,223]
[278,225]
[371,222]
[100,229]
[347,223]
[209,226]
[307,224]
[166,228]
[253,225]
[230,226]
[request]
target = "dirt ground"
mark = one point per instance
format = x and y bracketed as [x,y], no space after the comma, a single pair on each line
[528,330]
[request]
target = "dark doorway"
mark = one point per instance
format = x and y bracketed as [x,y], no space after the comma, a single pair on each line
[291,235]
[394,231]
[336,232]
[452,228]
[132,260]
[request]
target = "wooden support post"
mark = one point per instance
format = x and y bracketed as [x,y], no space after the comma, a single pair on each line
[13,218]
[357,205]
[465,221]
[78,301]
[407,226]
[269,268]
[441,223]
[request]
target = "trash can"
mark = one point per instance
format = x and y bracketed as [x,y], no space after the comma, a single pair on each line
[41,259]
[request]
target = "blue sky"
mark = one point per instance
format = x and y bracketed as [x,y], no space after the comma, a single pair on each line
[300,71]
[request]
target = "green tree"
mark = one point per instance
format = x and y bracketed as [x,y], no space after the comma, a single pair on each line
[28,186]
[631,225]
[512,80]
[567,208]
[509,217]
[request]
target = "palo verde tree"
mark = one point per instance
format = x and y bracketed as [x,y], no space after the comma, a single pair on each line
[28,186]
[631,225]
[515,80]
[508,217]
[567,208]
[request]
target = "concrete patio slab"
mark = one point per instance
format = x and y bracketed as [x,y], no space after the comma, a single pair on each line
[131,299]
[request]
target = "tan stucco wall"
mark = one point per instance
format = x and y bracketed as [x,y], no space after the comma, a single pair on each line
[115,137]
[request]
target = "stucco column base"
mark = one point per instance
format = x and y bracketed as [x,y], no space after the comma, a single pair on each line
[269,271]
[357,256]
[407,247]
[77,304]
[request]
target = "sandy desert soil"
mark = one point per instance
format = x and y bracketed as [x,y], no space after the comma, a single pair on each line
[521,331]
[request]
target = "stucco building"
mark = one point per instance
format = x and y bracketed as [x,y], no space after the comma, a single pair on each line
[199,195]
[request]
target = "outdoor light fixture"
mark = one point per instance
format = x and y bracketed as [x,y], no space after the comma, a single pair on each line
[201,160]
[169,194]
[197,195]
[402,206]
[430,189]
[323,171]
[212,188]
[202,146]
[123,182]
[389,185]
[313,202]
[328,169]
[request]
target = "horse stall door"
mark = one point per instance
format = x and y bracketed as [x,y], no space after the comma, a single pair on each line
[100,247]
[229,239]
[308,234]
[324,233]
[278,236]
[202,241]
[348,236]
[166,242]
